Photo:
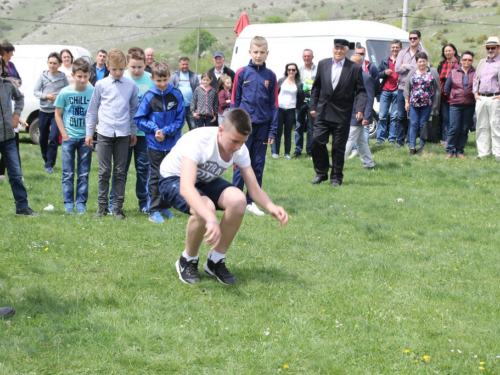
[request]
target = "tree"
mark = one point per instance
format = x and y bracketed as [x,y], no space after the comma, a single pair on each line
[449,3]
[188,43]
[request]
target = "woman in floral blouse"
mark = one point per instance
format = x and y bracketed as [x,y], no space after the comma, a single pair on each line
[422,96]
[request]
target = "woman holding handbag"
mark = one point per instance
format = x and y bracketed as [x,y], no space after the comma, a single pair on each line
[462,105]
[422,98]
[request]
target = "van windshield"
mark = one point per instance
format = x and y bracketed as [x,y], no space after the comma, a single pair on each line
[378,49]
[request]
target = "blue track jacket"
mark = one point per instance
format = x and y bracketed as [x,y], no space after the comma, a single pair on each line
[255,90]
[161,110]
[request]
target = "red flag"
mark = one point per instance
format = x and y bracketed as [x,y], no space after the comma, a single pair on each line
[243,22]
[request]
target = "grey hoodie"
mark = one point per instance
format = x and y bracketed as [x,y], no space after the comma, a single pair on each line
[49,84]
[9,91]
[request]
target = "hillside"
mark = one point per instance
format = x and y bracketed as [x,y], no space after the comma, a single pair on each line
[103,24]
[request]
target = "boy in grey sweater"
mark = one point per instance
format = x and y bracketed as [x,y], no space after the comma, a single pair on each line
[8,149]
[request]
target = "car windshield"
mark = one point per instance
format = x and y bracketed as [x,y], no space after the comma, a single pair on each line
[378,49]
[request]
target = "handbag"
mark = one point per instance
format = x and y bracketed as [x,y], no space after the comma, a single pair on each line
[431,131]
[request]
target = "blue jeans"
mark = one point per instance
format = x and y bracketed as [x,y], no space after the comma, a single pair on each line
[445,116]
[304,125]
[418,115]
[286,120]
[460,121]
[70,148]
[9,153]
[49,138]
[402,124]
[141,162]
[204,121]
[191,121]
[388,104]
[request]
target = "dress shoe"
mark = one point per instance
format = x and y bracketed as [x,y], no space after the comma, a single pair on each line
[318,180]
[296,154]
[335,184]
[461,156]
[448,156]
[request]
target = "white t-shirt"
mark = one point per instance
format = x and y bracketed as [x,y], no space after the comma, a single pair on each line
[200,145]
[287,97]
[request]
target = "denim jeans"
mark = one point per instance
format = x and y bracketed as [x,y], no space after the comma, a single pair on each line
[141,162]
[49,138]
[445,116]
[418,115]
[204,121]
[191,121]
[9,153]
[71,148]
[304,125]
[388,112]
[460,120]
[402,123]
[286,120]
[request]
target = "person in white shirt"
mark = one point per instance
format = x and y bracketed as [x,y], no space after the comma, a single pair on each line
[191,183]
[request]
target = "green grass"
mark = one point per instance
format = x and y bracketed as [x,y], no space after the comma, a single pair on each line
[352,282]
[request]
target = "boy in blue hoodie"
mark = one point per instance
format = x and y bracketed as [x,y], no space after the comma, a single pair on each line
[255,90]
[161,117]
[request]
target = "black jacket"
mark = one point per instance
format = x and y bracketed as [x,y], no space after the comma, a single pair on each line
[300,91]
[93,73]
[215,82]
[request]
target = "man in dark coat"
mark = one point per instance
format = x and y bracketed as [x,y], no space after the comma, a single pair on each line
[337,82]
[219,69]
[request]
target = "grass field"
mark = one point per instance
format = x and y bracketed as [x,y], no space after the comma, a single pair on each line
[356,283]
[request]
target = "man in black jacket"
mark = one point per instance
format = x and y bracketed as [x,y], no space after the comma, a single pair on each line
[99,70]
[338,81]
[219,69]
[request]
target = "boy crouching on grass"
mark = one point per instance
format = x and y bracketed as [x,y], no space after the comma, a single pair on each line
[71,108]
[161,117]
[115,101]
[192,184]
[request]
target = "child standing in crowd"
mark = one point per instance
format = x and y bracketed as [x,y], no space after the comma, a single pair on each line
[161,117]
[204,103]
[115,102]
[225,85]
[50,83]
[71,107]
[136,63]
[256,91]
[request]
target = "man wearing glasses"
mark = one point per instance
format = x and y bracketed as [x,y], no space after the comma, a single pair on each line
[404,63]
[487,93]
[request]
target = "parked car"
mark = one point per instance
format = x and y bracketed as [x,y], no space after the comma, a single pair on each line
[31,61]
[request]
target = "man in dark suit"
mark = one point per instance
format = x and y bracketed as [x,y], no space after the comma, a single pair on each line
[219,69]
[338,81]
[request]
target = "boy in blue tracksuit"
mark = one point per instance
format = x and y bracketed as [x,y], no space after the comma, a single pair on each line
[161,117]
[256,91]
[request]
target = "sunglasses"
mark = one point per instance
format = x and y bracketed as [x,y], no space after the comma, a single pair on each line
[491,48]
[292,70]
[413,38]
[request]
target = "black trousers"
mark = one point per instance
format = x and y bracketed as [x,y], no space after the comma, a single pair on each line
[321,136]
[156,202]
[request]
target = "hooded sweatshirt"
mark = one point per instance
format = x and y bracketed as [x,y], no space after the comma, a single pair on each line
[9,91]
[49,84]
[161,110]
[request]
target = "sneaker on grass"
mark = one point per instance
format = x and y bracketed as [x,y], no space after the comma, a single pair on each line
[27,212]
[167,214]
[187,270]
[220,271]
[6,312]
[101,211]
[155,217]
[252,208]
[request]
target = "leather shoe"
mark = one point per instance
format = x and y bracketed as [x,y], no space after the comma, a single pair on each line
[318,180]
[296,154]
[335,184]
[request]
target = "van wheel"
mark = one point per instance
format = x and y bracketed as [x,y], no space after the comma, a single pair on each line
[374,125]
[34,131]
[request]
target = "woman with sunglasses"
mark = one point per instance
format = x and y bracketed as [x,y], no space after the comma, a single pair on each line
[290,98]
[422,98]
[458,88]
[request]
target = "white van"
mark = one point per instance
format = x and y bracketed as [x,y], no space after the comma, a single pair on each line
[287,41]
[31,61]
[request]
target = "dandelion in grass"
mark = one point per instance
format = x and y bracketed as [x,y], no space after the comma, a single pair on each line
[481,368]
[426,358]
[46,248]
[407,351]
[286,367]
[482,363]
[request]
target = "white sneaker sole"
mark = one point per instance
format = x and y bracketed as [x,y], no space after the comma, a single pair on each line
[207,270]
[177,267]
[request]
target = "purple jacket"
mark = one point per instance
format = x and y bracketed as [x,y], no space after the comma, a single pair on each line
[454,87]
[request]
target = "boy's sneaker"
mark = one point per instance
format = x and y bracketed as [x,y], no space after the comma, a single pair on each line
[81,210]
[167,214]
[49,170]
[354,153]
[101,211]
[155,217]
[27,212]
[220,271]
[144,210]
[118,214]
[252,208]
[187,270]
[287,156]
[275,156]
[70,210]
